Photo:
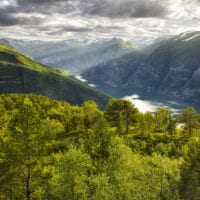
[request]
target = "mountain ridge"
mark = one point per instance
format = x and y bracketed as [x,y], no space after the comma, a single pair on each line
[20,74]
[170,69]
[73,56]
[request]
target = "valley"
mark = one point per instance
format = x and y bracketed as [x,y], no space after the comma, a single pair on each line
[165,71]
[168,70]
[99,100]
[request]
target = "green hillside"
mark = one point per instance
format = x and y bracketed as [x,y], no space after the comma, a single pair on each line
[19,74]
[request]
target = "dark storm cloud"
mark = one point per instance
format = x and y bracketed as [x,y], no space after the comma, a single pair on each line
[22,2]
[86,8]
[98,28]
[10,19]
[7,19]
[45,6]
[125,8]
[69,28]
[105,8]
[75,29]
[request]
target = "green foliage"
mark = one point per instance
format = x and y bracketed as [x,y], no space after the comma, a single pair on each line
[163,120]
[121,114]
[190,118]
[190,183]
[70,180]
[91,113]
[125,45]
[53,150]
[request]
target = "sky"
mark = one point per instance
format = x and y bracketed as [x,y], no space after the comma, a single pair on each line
[136,20]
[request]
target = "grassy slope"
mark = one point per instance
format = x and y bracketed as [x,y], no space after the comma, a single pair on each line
[19,74]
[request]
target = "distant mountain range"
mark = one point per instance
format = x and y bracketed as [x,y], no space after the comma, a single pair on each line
[73,56]
[170,68]
[19,74]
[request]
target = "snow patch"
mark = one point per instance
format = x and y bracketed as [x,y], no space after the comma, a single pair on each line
[184,34]
[191,38]
[92,85]
[80,78]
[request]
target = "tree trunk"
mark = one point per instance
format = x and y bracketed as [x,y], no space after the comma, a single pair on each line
[28,179]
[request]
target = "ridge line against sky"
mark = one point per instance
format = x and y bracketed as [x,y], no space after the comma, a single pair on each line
[95,19]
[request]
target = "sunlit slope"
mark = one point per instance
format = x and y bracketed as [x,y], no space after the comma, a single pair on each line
[19,74]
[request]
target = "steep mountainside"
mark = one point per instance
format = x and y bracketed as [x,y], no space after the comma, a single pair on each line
[169,69]
[19,74]
[73,56]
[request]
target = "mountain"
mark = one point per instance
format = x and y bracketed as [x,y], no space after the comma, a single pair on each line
[170,68]
[73,56]
[19,74]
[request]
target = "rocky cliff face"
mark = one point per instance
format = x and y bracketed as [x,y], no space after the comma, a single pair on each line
[171,69]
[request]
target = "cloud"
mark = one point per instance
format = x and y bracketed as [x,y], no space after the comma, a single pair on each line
[10,18]
[124,8]
[28,2]
[7,20]
[97,29]
[72,29]
[46,6]
[104,8]
[98,18]
[20,2]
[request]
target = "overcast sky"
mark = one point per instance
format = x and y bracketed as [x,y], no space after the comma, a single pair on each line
[95,19]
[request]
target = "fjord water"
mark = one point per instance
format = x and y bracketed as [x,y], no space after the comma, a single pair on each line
[144,103]
[149,104]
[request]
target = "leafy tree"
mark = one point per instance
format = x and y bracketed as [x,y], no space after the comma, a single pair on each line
[52,150]
[146,123]
[190,174]
[190,118]
[77,120]
[121,113]
[100,187]
[71,175]
[91,112]
[23,138]
[163,120]
[137,177]
[98,142]
[24,151]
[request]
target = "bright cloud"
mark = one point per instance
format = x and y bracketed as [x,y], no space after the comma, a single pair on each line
[140,21]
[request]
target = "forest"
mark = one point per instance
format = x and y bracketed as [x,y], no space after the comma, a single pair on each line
[51,150]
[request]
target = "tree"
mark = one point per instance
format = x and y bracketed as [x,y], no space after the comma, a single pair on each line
[71,175]
[98,142]
[23,133]
[25,148]
[121,113]
[146,123]
[190,173]
[136,177]
[163,120]
[91,112]
[77,118]
[190,118]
